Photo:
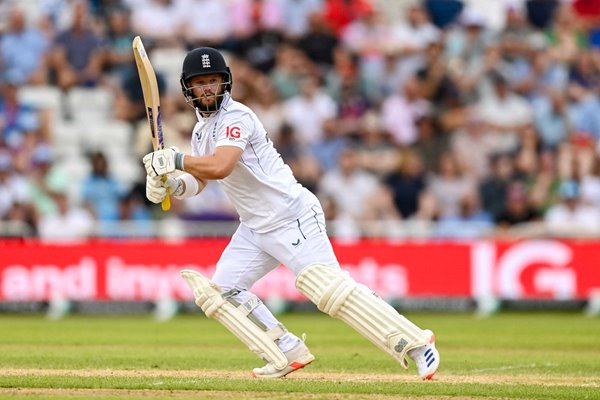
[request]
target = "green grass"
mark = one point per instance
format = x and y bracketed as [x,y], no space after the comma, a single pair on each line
[518,355]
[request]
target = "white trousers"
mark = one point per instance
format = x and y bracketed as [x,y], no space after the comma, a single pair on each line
[251,255]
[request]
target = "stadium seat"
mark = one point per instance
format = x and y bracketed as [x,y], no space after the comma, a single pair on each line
[90,104]
[43,97]
[66,139]
[77,168]
[109,133]
[125,168]
[168,61]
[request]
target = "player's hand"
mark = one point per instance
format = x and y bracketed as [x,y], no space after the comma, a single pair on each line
[163,162]
[156,189]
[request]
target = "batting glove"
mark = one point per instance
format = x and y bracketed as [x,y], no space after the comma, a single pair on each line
[156,189]
[163,162]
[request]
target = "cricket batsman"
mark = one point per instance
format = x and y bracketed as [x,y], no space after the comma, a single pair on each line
[281,222]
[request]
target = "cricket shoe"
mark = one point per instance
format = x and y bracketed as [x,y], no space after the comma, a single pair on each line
[427,358]
[298,357]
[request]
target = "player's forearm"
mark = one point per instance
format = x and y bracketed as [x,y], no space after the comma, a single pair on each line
[205,167]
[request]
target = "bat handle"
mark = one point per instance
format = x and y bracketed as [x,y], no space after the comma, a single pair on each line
[166,203]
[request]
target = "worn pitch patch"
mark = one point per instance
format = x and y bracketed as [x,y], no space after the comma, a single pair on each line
[491,378]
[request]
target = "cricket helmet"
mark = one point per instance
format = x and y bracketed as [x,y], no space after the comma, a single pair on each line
[204,61]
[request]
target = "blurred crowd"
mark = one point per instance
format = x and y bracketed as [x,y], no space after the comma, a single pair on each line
[445,117]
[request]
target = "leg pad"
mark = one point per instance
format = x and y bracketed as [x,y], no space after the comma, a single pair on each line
[209,297]
[337,294]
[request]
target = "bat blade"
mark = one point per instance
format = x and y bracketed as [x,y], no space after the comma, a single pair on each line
[151,100]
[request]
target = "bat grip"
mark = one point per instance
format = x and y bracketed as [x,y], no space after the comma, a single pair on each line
[166,203]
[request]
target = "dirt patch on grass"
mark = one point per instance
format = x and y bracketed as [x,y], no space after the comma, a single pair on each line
[197,394]
[306,374]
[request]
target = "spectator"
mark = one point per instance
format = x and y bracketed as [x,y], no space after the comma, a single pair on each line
[466,43]
[369,38]
[21,124]
[339,224]
[422,223]
[100,191]
[319,43]
[543,73]
[565,34]
[348,186]
[449,185]
[119,56]
[311,101]
[431,141]
[381,218]
[583,113]
[204,23]
[23,49]
[44,179]
[78,51]
[543,182]
[344,71]
[590,185]
[13,187]
[436,83]
[571,215]
[470,222]
[517,209]
[247,17]
[289,71]
[401,111]
[260,49]
[551,118]
[129,99]
[303,163]
[327,150]
[443,12]
[493,190]
[67,224]
[135,215]
[268,107]
[352,106]
[296,14]
[339,13]
[257,31]
[160,22]
[504,112]
[410,40]
[377,153]
[585,70]
[473,146]
[407,183]
[541,12]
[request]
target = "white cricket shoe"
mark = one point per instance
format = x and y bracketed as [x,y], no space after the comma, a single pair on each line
[298,357]
[427,358]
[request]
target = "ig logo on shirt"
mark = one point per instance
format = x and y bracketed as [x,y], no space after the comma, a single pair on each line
[233,132]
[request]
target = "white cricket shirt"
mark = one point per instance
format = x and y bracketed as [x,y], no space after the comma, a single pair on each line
[261,186]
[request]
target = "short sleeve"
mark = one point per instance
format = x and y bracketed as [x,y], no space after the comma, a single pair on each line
[235,132]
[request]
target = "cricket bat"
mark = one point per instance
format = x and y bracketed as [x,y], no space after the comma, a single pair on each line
[152,101]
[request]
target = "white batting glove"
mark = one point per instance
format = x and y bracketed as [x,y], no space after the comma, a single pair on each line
[156,189]
[163,162]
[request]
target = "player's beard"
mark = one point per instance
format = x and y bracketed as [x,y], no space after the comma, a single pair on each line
[210,103]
